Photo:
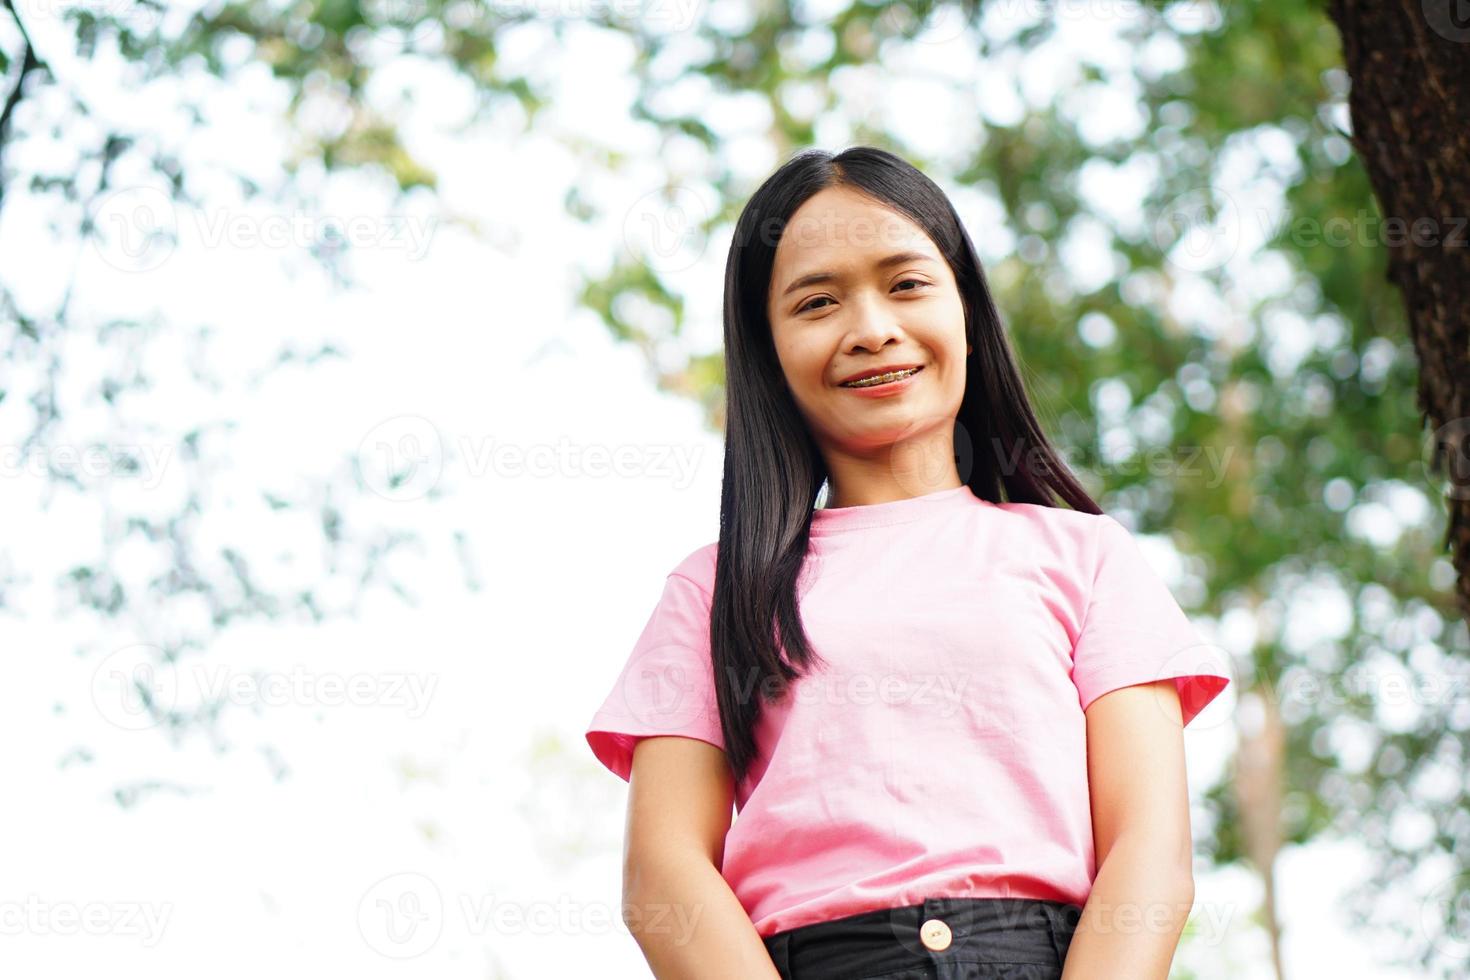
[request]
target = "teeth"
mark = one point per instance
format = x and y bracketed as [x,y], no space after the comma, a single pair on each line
[880,379]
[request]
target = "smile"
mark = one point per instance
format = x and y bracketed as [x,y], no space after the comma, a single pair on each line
[882,379]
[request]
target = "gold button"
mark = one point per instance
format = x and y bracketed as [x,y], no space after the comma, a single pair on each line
[935,934]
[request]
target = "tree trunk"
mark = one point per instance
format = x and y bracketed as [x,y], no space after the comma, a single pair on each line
[1260,777]
[1409,61]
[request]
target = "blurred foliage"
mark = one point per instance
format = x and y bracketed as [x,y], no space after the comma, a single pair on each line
[1289,363]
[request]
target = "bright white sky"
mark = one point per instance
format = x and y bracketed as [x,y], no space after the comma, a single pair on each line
[428,826]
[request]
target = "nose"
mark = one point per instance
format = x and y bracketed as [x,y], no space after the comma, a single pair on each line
[874,323]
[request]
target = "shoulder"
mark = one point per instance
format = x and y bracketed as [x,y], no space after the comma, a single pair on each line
[699,567]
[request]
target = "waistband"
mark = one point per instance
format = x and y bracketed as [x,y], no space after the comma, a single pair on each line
[1001,930]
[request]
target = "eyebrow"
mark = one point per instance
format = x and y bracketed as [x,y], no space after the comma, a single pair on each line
[898,258]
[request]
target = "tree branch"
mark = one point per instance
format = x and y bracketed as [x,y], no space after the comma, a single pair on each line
[29,63]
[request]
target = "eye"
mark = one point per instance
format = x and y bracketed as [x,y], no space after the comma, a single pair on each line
[917,282]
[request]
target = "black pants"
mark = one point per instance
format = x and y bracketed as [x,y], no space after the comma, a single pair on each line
[939,939]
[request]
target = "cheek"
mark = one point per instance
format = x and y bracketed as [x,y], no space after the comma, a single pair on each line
[803,363]
[805,368]
[798,369]
[954,316]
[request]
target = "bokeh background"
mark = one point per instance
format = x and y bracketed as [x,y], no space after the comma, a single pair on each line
[362,381]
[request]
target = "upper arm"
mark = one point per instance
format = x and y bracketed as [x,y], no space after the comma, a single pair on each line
[679,802]
[1136,771]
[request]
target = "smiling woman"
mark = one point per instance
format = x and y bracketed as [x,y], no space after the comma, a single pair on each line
[881,318]
[906,693]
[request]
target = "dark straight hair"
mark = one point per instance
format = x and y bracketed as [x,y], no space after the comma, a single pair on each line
[773,469]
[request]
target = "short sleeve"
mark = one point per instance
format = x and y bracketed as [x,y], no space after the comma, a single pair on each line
[667,684]
[1134,632]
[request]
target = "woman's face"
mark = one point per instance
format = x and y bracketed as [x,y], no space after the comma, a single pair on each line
[885,299]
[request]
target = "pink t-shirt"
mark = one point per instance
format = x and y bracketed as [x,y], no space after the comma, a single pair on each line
[942,752]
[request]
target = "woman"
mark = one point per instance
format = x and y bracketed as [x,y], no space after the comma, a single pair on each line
[902,690]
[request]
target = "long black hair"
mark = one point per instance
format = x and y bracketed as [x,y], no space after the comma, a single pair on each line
[773,469]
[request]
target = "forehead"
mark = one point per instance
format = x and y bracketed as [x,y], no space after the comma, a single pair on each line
[837,226]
